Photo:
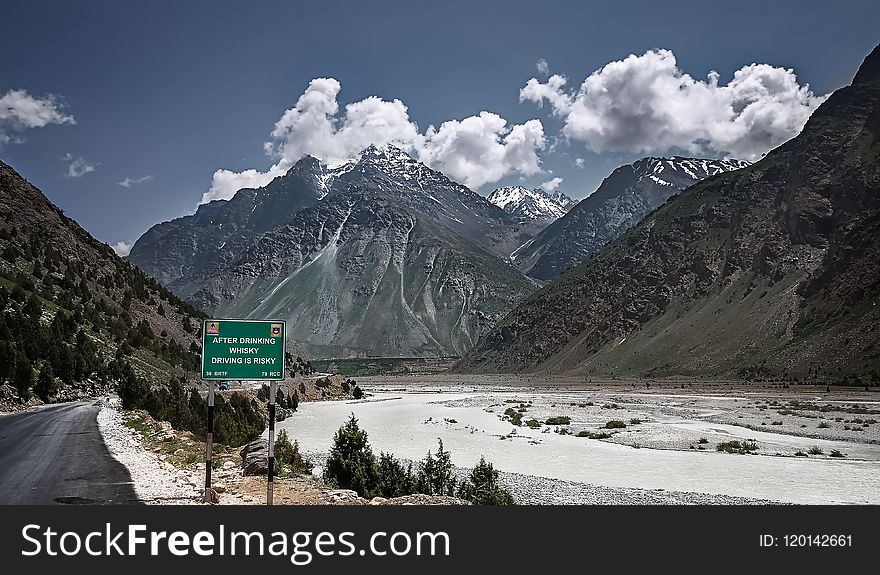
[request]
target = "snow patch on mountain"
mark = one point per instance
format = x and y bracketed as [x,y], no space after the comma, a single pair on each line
[531,204]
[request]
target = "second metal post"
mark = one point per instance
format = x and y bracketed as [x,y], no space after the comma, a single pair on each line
[271,471]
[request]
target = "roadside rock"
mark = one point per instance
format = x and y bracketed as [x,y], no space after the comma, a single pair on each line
[255,457]
[419,499]
[342,496]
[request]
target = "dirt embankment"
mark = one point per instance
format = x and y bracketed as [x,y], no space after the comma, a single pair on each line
[167,467]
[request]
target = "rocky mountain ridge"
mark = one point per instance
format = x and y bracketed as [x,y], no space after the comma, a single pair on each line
[625,197]
[388,257]
[767,271]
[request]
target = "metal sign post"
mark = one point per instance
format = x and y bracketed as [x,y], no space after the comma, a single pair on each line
[247,350]
[209,440]
[271,471]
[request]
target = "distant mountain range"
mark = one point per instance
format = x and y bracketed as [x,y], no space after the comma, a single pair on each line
[766,271]
[625,197]
[382,256]
[377,256]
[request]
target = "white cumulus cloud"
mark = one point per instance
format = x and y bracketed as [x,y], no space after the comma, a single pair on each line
[77,167]
[19,111]
[551,185]
[225,183]
[474,150]
[122,249]
[315,127]
[647,104]
[129,182]
[482,149]
[542,66]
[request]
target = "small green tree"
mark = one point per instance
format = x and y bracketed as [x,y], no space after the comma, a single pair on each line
[46,386]
[358,393]
[7,360]
[24,376]
[435,473]
[393,479]
[351,464]
[288,454]
[133,392]
[481,487]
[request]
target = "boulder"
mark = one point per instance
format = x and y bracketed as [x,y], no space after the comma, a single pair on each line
[341,495]
[255,457]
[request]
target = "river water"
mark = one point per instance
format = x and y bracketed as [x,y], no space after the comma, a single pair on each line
[408,424]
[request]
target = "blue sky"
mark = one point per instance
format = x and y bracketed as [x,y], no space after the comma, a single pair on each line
[161,95]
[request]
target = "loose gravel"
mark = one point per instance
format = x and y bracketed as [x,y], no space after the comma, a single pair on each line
[156,482]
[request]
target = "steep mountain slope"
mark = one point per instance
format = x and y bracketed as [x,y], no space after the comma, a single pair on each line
[769,270]
[395,259]
[70,303]
[178,248]
[625,197]
[535,204]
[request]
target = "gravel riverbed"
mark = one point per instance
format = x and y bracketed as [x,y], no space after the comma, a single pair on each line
[534,490]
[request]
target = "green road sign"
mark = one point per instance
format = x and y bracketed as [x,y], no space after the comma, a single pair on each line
[243,349]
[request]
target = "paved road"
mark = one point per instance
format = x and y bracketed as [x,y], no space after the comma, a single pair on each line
[56,454]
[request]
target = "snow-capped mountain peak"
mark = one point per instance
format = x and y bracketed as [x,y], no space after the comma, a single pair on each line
[659,169]
[532,204]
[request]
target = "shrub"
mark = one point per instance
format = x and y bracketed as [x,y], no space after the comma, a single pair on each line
[481,486]
[351,464]
[591,435]
[357,393]
[800,453]
[236,421]
[533,423]
[615,424]
[558,420]
[737,446]
[513,416]
[815,450]
[287,454]
[635,421]
[703,440]
[823,425]
[836,453]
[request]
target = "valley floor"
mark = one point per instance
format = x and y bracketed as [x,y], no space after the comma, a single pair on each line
[804,445]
